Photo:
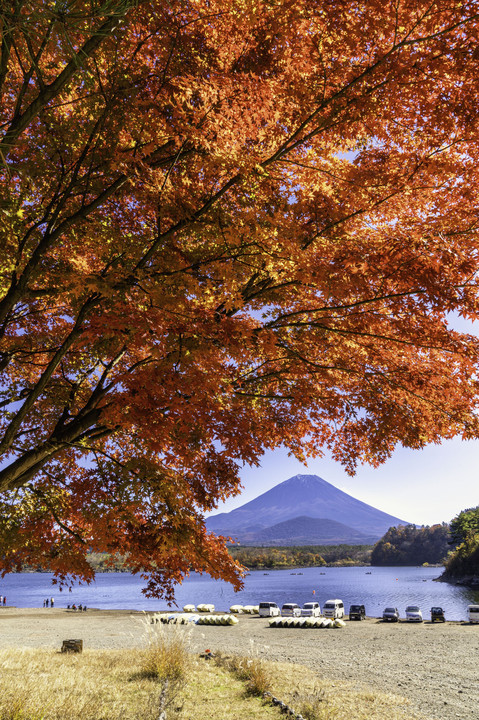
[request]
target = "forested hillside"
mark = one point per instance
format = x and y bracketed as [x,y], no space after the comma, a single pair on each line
[410,545]
[463,562]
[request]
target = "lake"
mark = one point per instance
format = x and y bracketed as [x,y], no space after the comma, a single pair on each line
[374,587]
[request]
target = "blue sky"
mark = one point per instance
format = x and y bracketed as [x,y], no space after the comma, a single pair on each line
[420,486]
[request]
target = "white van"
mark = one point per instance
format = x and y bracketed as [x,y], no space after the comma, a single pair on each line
[333,609]
[268,609]
[473,613]
[290,610]
[311,609]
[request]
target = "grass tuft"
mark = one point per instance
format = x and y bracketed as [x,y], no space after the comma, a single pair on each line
[251,670]
[167,657]
[311,709]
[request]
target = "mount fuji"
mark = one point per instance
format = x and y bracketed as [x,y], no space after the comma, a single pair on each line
[304,510]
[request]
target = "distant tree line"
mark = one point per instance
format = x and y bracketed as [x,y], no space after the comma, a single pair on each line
[262,558]
[411,545]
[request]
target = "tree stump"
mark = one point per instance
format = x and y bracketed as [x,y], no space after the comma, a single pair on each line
[72,646]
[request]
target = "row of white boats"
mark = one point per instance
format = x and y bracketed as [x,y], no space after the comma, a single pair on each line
[228,619]
[193,618]
[305,622]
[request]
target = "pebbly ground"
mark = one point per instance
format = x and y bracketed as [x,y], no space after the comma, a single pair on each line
[435,666]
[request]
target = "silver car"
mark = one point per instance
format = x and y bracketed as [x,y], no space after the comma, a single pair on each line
[413,613]
[391,614]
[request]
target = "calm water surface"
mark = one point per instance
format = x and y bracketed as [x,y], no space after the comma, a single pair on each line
[374,587]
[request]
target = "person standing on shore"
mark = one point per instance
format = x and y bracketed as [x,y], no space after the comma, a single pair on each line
[52,602]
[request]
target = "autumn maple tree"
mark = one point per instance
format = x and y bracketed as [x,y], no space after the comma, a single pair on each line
[226,226]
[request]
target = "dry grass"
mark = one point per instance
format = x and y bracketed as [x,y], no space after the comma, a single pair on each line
[127,685]
[96,685]
[167,661]
[117,685]
[214,692]
[312,703]
[253,671]
[167,656]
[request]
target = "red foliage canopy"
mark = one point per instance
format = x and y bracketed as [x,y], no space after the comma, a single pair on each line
[225,226]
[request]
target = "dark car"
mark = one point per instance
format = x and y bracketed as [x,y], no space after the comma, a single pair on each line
[357,612]
[437,613]
[391,614]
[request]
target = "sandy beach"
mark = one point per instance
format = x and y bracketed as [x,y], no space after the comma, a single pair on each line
[434,666]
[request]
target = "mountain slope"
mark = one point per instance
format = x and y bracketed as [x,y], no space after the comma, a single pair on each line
[306,531]
[302,495]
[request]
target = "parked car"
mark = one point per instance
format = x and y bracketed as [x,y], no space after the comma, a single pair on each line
[311,609]
[333,609]
[290,610]
[437,613]
[268,609]
[357,612]
[413,613]
[473,613]
[391,614]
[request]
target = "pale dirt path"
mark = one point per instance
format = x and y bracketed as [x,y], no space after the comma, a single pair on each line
[435,666]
